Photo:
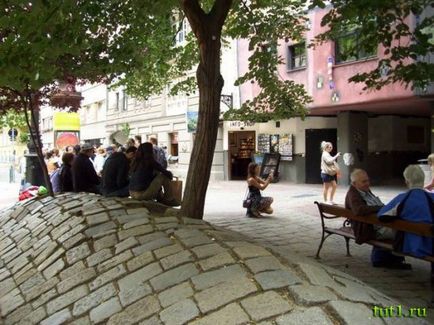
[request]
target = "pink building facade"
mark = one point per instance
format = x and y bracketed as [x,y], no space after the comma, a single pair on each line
[383,130]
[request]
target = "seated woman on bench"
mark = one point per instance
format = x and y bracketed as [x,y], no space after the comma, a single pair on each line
[361,201]
[415,205]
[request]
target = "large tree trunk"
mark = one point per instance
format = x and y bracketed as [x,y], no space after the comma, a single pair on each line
[207,28]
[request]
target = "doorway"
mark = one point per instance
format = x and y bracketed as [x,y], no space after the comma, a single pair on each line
[314,137]
[241,148]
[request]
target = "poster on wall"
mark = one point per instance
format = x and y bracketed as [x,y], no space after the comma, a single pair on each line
[63,139]
[285,147]
[274,143]
[192,117]
[263,143]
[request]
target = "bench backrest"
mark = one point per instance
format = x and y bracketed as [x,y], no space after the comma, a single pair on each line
[329,211]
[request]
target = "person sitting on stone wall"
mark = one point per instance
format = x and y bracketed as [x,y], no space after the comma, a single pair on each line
[148,176]
[84,176]
[65,173]
[361,201]
[115,175]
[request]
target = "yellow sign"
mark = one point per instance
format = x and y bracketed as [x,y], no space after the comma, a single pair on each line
[63,121]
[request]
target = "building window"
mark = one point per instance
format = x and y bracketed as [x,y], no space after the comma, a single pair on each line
[117,102]
[181,29]
[348,48]
[124,101]
[296,56]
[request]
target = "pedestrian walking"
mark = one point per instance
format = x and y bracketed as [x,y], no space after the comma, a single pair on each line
[329,170]
[258,203]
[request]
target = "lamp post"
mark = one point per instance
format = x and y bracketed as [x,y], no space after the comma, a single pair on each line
[34,174]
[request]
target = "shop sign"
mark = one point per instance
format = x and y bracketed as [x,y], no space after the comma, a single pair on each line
[240,124]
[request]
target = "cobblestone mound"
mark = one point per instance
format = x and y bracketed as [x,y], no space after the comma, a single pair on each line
[85,259]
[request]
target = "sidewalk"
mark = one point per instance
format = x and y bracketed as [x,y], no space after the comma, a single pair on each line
[9,194]
[295,228]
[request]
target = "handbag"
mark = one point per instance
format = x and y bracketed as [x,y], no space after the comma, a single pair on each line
[176,187]
[247,202]
[332,169]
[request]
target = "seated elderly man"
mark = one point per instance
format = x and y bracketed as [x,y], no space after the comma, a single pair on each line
[415,205]
[361,201]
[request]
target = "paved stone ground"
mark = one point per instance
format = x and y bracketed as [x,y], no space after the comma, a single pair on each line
[295,229]
[84,259]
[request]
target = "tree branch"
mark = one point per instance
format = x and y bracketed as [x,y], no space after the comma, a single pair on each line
[220,11]
[195,15]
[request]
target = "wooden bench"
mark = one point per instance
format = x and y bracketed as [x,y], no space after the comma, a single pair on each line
[328,212]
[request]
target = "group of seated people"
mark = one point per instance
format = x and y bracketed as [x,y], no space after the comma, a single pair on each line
[415,205]
[132,172]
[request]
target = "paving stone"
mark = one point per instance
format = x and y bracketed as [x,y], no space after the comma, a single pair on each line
[117,259]
[166,220]
[353,291]
[43,298]
[6,286]
[123,218]
[265,305]
[134,293]
[127,243]
[46,252]
[310,295]
[172,261]
[105,242]
[145,239]
[105,310]
[97,218]
[139,261]
[18,314]
[33,317]
[196,241]
[10,302]
[168,250]
[317,275]
[81,321]
[208,250]
[54,268]
[51,259]
[73,241]
[170,227]
[353,313]
[158,243]
[66,299]
[136,312]
[265,263]
[231,314]
[75,280]
[93,211]
[34,281]
[174,294]
[223,293]
[244,252]
[174,276]
[40,289]
[100,229]
[301,316]
[219,260]
[276,279]
[139,211]
[70,234]
[137,222]
[99,257]
[225,274]
[58,318]
[108,276]
[188,233]
[116,213]
[72,270]
[77,253]
[151,321]
[179,313]
[133,279]
[95,298]
[136,231]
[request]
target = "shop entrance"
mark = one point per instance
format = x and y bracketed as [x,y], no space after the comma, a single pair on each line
[241,149]
[314,137]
